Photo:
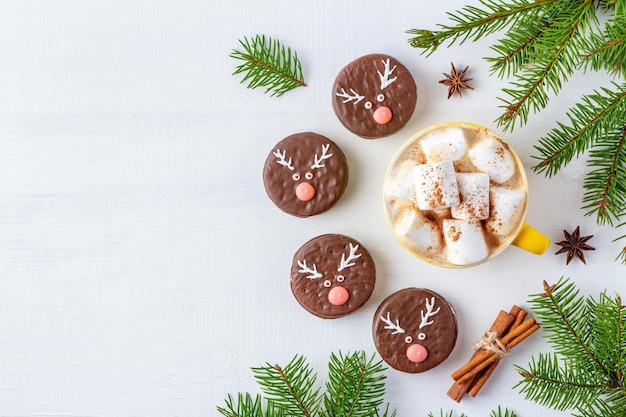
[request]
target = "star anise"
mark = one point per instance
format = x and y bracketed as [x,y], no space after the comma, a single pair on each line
[574,245]
[456,81]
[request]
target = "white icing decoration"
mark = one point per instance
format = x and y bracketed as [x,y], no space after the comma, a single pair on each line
[304,269]
[281,159]
[429,313]
[392,326]
[356,97]
[385,81]
[345,263]
[319,160]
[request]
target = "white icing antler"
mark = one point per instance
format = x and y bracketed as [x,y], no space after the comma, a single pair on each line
[281,159]
[319,161]
[392,326]
[304,269]
[345,263]
[429,313]
[384,78]
[348,98]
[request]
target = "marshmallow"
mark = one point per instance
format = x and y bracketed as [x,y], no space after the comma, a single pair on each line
[494,158]
[474,196]
[506,208]
[417,232]
[444,144]
[465,243]
[435,185]
[400,182]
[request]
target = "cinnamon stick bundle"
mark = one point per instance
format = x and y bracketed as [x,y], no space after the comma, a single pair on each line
[507,331]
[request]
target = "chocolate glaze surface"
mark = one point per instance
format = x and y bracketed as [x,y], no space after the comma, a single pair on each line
[359,83]
[399,318]
[326,254]
[305,158]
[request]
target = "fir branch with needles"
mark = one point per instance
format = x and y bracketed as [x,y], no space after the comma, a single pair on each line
[355,388]
[267,63]
[542,45]
[494,413]
[586,372]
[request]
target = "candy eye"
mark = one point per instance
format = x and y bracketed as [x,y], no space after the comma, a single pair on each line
[380,97]
[296,177]
[327,284]
[421,336]
[341,278]
[368,105]
[308,175]
[408,339]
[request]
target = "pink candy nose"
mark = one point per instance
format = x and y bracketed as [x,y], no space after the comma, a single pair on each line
[416,353]
[305,191]
[338,296]
[382,115]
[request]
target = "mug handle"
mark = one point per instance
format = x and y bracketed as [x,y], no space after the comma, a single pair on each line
[531,240]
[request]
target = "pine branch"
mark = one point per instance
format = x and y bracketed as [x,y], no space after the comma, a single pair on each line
[355,388]
[554,58]
[558,386]
[267,63]
[594,115]
[291,388]
[586,371]
[494,413]
[474,23]
[607,51]
[447,414]
[606,183]
[514,50]
[621,257]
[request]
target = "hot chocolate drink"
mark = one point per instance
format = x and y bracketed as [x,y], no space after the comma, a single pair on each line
[455,194]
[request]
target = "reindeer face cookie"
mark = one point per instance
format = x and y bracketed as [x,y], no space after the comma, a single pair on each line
[332,275]
[414,330]
[305,174]
[374,96]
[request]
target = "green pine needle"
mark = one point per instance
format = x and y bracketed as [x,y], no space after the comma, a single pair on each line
[544,43]
[355,388]
[494,413]
[267,63]
[586,371]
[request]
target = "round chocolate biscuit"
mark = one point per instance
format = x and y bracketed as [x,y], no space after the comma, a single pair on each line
[414,330]
[374,96]
[305,174]
[332,275]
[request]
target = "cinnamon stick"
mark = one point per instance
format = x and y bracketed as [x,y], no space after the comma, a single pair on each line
[485,357]
[501,324]
[479,381]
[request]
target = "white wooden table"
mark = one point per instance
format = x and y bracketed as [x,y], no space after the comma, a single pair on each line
[143,270]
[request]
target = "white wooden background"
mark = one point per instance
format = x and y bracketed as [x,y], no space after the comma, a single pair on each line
[143,270]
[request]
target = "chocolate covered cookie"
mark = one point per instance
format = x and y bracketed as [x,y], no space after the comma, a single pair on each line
[414,330]
[374,96]
[305,174]
[332,275]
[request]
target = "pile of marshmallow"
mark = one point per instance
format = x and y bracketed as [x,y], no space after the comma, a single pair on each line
[477,199]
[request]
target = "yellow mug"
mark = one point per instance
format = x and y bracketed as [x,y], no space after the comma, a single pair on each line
[455,195]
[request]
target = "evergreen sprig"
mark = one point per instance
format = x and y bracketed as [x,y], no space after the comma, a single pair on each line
[544,43]
[494,413]
[586,372]
[267,63]
[355,388]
